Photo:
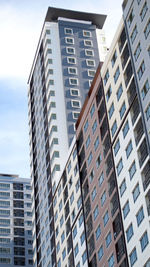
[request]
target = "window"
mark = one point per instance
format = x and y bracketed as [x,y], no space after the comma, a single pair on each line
[114,128]
[75,104]
[117,147]
[64,254]
[89,52]
[72,71]
[108,94]
[149,51]
[129,149]
[74,92]
[90,62]
[143,11]
[90,158]
[88,141]
[98,232]
[126,209]
[71,60]
[101,179]
[141,70]
[131,17]
[96,212]
[4,186]
[138,1]
[82,238]
[87,33]
[80,220]
[94,126]
[116,76]
[140,216]
[92,110]
[91,176]
[134,34]
[106,77]
[147,30]
[86,126]
[111,110]
[96,143]
[76,250]
[74,232]
[79,202]
[119,167]
[132,170]
[98,161]
[77,185]
[69,40]
[100,253]
[114,58]
[108,239]
[129,232]
[119,92]
[63,237]
[111,261]
[88,43]
[91,73]
[125,129]
[72,198]
[144,241]
[68,31]
[84,257]
[103,198]
[75,115]
[106,218]
[145,89]
[137,51]
[93,194]
[122,110]
[133,257]
[70,50]
[123,187]
[136,192]
[147,112]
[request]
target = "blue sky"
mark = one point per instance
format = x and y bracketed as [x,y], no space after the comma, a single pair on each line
[20,26]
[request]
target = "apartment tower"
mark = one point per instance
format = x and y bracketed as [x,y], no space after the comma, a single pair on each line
[68,53]
[16,240]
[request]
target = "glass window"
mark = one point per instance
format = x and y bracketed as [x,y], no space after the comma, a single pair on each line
[92,110]
[122,110]
[96,143]
[134,34]
[106,218]
[101,179]
[119,166]
[94,126]
[119,92]
[74,232]
[90,158]
[125,129]
[91,176]
[137,51]
[64,254]
[114,128]
[132,170]
[108,239]
[75,103]
[68,31]
[103,198]
[144,241]
[109,92]
[111,261]
[76,250]
[140,216]
[86,126]
[129,232]
[72,70]
[145,89]
[98,232]
[87,33]
[91,73]
[69,40]
[82,238]
[88,43]
[136,192]
[131,17]
[71,60]
[106,77]
[89,52]
[116,76]
[126,209]
[129,148]
[114,58]
[100,253]
[96,212]
[144,11]
[90,62]
[80,219]
[70,50]
[123,187]
[84,257]
[147,112]
[111,110]
[98,161]
[147,30]
[141,70]
[93,194]
[133,257]
[117,147]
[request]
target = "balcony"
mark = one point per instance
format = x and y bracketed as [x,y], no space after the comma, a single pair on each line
[122,39]
[89,226]
[81,157]
[65,194]
[71,260]
[125,56]
[114,204]
[146,175]
[109,164]
[103,128]
[128,73]
[67,210]
[99,94]
[142,152]
[85,189]
[101,111]
[87,207]
[135,110]
[80,141]
[83,173]
[148,202]
[106,145]
[93,262]
[138,132]
[131,92]
[120,248]
[69,243]
[91,245]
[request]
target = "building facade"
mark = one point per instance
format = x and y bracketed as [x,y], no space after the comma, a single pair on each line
[129,129]
[16,240]
[69,50]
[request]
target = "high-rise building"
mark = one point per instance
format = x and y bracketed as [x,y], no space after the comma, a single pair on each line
[126,85]
[69,50]
[16,241]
